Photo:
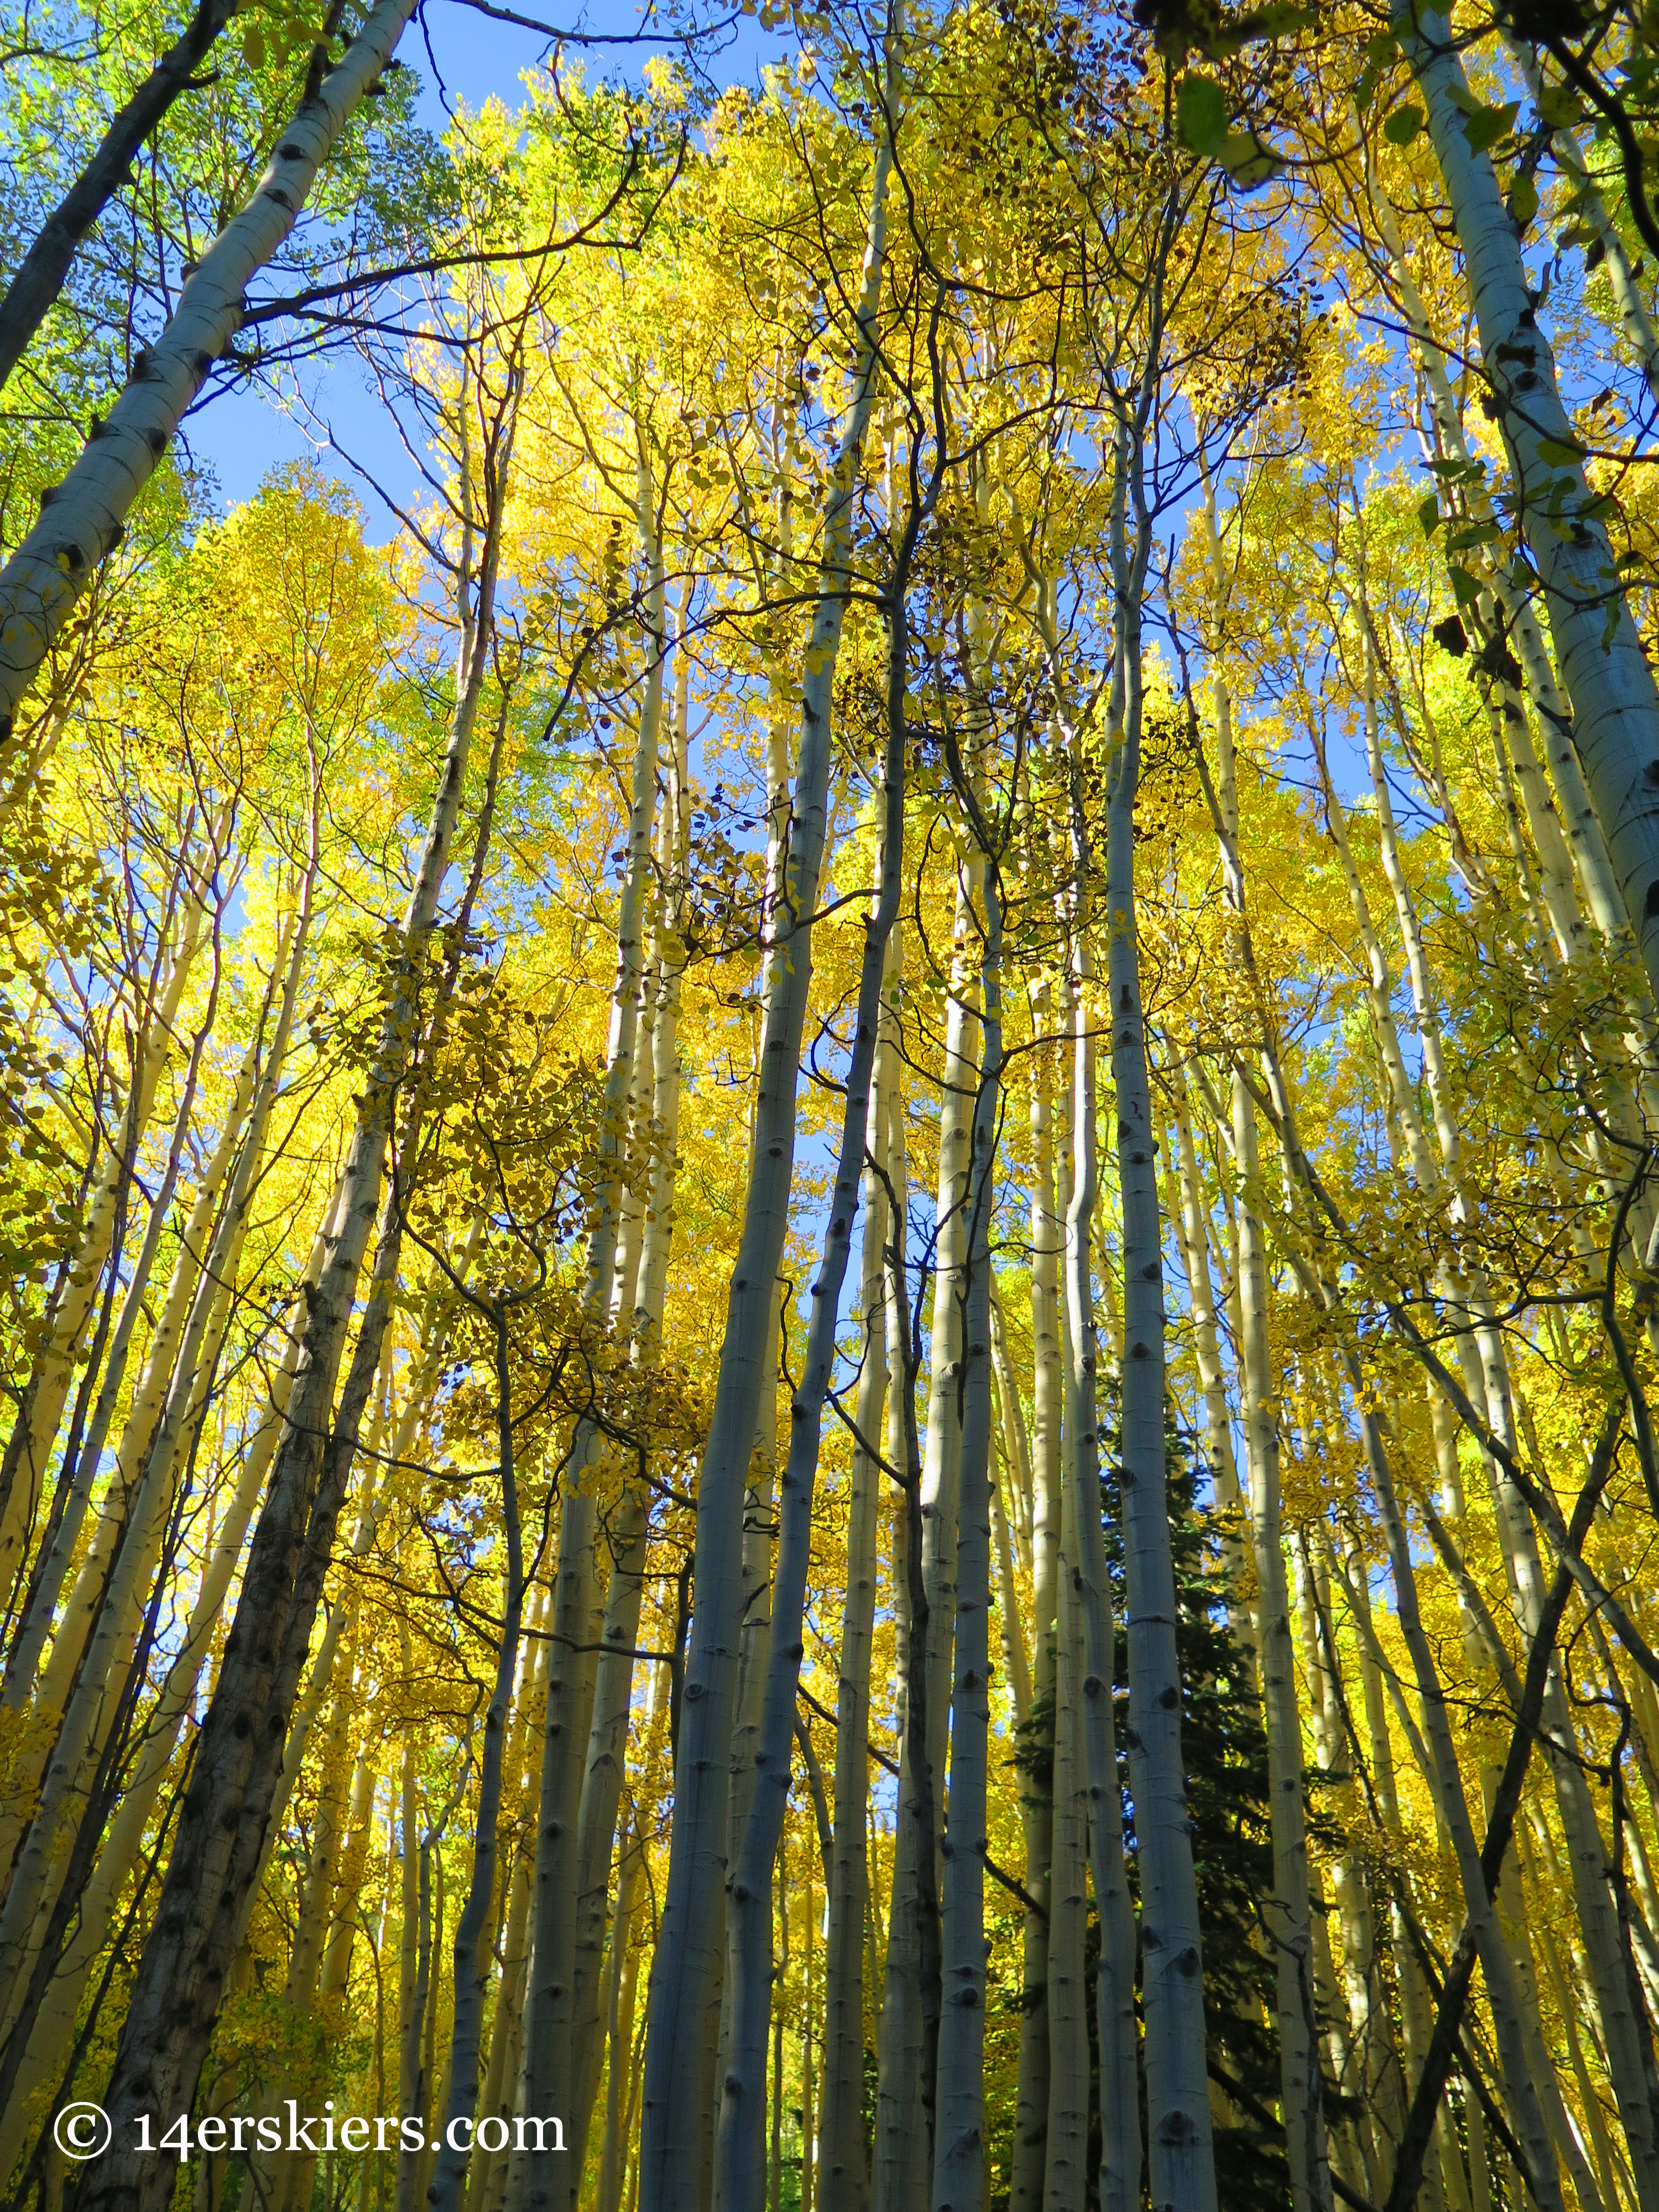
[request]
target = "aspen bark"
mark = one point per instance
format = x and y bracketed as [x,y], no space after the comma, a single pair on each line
[685,1964]
[1615,706]
[844,2181]
[739,2153]
[1036,1804]
[959,2153]
[85,521]
[1065,2175]
[1178,2127]
[221,1837]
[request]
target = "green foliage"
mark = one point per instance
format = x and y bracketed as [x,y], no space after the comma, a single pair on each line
[1224,1750]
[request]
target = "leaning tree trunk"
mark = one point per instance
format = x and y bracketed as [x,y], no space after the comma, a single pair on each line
[221,1837]
[1608,680]
[686,1963]
[41,273]
[86,517]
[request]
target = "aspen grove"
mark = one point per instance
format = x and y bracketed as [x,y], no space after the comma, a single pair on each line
[829,1164]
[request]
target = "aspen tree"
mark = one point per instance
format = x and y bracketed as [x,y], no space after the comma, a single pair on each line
[843,2172]
[738,2149]
[549,2049]
[1615,706]
[1178,2130]
[1036,1804]
[223,1825]
[56,562]
[685,1966]
[601,1781]
[958,2177]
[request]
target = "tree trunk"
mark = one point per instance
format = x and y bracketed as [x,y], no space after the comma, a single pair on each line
[1611,689]
[1182,2168]
[685,1966]
[87,516]
[740,2151]
[960,2148]
[224,1822]
[41,274]
[844,2184]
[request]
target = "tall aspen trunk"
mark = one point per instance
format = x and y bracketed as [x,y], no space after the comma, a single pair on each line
[1181,2158]
[1036,1803]
[904,2111]
[223,1825]
[959,2158]
[602,1780]
[844,2181]
[546,2180]
[740,2148]
[1066,2172]
[1608,684]
[687,1952]
[1116,2034]
[911,1949]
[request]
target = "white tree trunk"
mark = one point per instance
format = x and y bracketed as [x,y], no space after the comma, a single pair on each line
[1607,681]
[86,519]
[1178,2127]
[844,2181]
[959,2157]
[687,1954]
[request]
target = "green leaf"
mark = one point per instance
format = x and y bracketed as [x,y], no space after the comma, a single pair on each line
[1559,456]
[1403,125]
[1488,124]
[1250,161]
[1428,515]
[1200,115]
[1464,587]
[253,47]
[1557,106]
[1523,200]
